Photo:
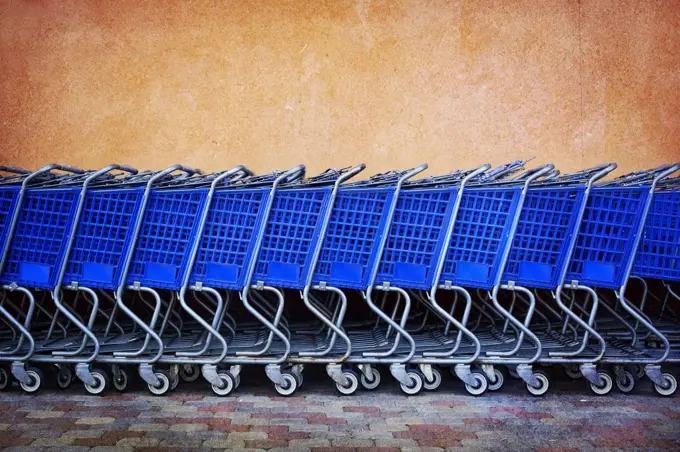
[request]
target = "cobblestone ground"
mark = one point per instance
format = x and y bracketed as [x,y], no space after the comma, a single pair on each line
[317,419]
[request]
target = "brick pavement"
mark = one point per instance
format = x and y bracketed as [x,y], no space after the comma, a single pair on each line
[318,420]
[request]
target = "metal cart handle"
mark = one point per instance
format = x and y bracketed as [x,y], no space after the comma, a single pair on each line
[602,173]
[236,173]
[350,173]
[291,175]
[14,170]
[664,174]
[49,168]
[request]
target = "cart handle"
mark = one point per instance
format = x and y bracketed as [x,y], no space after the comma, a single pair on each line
[663,174]
[538,172]
[291,175]
[238,172]
[47,169]
[601,173]
[14,170]
[161,174]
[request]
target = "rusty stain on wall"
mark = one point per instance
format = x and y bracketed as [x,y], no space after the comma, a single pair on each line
[331,83]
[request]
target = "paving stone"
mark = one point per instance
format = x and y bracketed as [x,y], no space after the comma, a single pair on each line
[138,442]
[44,414]
[49,442]
[153,427]
[96,420]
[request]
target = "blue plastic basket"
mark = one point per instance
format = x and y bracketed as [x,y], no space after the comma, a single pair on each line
[39,242]
[228,240]
[8,200]
[416,237]
[480,236]
[291,232]
[539,249]
[605,241]
[658,255]
[103,237]
[169,226]
[350,246]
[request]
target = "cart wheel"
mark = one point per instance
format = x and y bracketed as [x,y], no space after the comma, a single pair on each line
[436,380]
[608,384]
[120,382]
[64,377]
[174,382]
[291,384]
[101,380]
[416,383]
[544,384]
[228,384]
[4,379]
[164,383]
[36,377]
[298,376]
[626,383]
[237,381]
[352,383]
[639,371]
[482,384]
[498,381]
[189,372]
[374,382]
[671,385]
[573,372]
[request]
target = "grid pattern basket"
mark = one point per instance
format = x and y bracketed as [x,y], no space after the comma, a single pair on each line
[416,237]
[604,246]
[103,237]
[546,225]
[228,241]
[351,242]
[39,242]
[292,230]
[480,235]
[658,255]
[169,227]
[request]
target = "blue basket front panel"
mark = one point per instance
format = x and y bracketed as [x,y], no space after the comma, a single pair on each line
[416,237]
[292,231]
[658,255]
[103,237]
[228,240]
[39,242]
[546,225]
[8,200]
[606,236]
[351,242]
[169,227]
[480,235]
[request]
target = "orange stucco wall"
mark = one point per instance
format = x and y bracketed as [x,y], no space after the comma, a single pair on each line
[332,83]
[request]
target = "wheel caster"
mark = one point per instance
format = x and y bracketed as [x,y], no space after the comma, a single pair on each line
[101,380]
[36,380]
[626,383]
[638,371]
[64,377]
[4,379]
[544,384]
[573,372]
[298,376]
[607,385]
[163,385]
[374,382]
[237,381]
[290,386]
[189,372]
[416,383]
[498,381]
[480,386]
[174,382]
[671,385]
[436,380]
[352,383]
[514,374]
[120,381]
[228,384]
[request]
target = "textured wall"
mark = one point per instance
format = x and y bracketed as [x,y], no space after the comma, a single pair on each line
[330,83]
